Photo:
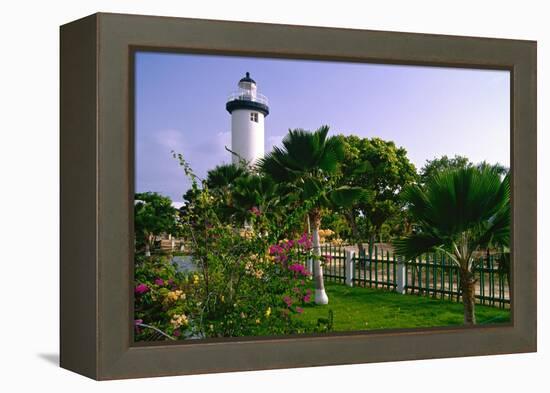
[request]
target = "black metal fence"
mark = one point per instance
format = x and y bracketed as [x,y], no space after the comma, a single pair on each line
[429,275]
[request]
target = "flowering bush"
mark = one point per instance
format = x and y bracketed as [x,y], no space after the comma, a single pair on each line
[247,282]
[237,290]
[162,297]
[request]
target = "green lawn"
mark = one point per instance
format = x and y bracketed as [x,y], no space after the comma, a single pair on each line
[367,308]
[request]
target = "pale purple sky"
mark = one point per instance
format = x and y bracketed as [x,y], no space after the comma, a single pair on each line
[430,111]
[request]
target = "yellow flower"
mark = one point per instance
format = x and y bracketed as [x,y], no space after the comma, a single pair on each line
[179,320]
[195,279]
[257,321]
[268,312]
[222,298]
[173,296]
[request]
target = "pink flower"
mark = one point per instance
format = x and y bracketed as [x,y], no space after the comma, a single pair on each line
[254,210]
[141,289]
[299,310]
[327,257]
[299,269]
[307,298]
[288,301]
[305,241]
[176,333]
[159,282]
[137,322]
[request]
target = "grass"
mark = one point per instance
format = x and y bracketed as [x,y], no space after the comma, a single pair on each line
[367,308]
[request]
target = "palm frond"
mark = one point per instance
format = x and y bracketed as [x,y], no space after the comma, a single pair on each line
[469,203]
[346,197]
[416,244]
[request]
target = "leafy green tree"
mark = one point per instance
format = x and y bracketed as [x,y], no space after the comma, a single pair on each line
[153,215]
[383,169]
[458,212]
[306,162]
[443,163]
[498,168]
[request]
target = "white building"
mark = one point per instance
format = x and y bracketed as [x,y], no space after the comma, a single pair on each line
[248,110]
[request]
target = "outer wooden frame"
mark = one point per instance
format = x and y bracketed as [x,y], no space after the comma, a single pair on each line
[97,192]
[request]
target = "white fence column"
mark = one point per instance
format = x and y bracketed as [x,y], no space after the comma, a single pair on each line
[350,255]
[401,276]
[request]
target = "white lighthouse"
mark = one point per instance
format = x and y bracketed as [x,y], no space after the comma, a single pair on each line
[248,110]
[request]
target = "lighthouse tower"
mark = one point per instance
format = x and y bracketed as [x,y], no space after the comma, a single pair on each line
[248,110]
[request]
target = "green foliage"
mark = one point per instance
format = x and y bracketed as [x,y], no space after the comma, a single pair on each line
[224,176]
[303,152]
[239,288]
[441,164]
[382,170]
[308,161]
[153,215]
[444,163]
[257,195]
[459,212]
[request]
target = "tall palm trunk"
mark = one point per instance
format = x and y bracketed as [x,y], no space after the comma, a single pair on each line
[467,286]
[320,294]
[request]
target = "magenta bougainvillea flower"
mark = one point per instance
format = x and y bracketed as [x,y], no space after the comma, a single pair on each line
[287,300]
[159,282]
[138,321]
[141,289]
[305,241]
[299,310]
[299,269]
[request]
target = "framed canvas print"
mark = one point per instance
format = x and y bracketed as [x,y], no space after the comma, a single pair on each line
[241,196]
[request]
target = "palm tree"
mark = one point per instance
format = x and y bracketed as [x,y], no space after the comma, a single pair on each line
[222,178]
[305,162]
[255,194]
[220,182]
[459,212]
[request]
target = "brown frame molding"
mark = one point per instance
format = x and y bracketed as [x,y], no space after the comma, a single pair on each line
[97,191]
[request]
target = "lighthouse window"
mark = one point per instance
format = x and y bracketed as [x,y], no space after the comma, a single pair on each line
[254,117]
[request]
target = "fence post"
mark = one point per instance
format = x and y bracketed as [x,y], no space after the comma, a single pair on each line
[401,275]
[350,255]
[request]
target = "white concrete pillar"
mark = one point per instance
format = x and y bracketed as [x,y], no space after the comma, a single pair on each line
[401,271]
[350,255]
